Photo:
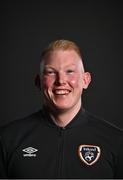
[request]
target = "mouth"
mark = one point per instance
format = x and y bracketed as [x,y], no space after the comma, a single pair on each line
[61,91]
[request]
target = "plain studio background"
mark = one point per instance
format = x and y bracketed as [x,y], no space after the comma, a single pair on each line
[28,26]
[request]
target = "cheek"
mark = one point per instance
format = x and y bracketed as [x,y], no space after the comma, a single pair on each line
[47,82]
[75,81]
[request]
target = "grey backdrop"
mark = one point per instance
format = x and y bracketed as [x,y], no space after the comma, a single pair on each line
[27,27]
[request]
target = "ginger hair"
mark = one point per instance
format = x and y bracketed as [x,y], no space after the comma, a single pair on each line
[61,45]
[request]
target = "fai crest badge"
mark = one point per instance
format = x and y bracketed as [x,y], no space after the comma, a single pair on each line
[89,154]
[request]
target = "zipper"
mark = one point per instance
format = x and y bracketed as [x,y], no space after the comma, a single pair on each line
[61,152]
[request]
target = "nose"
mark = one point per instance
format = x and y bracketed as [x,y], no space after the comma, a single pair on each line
[60,79]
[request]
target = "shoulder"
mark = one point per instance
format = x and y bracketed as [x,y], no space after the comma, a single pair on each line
[22,125]
[102,125]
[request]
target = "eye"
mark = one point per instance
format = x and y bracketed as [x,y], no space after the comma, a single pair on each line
[49,72]
[70,71]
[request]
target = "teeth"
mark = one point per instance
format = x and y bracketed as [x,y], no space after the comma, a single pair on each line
[61,92]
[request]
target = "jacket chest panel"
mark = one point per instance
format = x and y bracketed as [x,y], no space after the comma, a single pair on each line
[61,155]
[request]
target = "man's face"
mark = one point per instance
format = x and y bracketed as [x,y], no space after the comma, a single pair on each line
[63,80]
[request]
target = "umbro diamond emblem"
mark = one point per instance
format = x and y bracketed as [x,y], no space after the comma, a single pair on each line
[89,154]
[29,152]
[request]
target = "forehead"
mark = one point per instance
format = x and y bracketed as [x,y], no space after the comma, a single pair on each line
[61,57]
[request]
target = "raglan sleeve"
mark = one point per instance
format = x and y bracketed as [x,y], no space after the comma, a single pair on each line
[119,165]
[3,173]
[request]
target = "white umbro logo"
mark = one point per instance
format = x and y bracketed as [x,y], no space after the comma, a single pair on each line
[30,151]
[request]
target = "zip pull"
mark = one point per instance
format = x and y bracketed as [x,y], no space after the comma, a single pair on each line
[61,130]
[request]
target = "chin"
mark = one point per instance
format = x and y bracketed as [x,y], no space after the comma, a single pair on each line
[62,107]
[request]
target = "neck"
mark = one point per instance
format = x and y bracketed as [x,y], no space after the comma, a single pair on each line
[62,118]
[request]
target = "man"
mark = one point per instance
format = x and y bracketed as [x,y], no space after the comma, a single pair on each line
[62,140]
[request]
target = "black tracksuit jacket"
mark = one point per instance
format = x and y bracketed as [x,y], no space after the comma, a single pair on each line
[34,147]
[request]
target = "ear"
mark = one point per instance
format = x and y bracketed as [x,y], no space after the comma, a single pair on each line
[86,76]
[37,81]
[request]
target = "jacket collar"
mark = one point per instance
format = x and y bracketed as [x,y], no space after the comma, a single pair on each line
[79,118]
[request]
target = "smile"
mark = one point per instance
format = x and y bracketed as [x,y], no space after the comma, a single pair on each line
[61,92]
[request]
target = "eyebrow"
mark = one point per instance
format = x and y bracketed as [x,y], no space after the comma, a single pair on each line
[50,66]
